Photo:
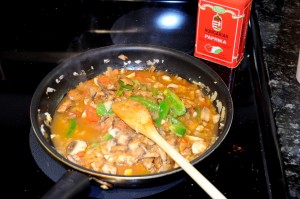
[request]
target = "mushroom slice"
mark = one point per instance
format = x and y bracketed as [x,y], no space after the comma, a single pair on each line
[76,146]
[172,86]
[199,147]
[109,168]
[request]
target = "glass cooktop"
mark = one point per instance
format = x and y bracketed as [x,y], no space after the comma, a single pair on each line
[247,164]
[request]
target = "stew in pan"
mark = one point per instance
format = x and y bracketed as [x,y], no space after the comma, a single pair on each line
[87,132]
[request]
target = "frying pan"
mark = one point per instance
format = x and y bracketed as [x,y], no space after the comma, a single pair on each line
[91,63]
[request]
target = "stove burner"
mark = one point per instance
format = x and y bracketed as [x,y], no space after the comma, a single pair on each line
[158,26]
[54,170]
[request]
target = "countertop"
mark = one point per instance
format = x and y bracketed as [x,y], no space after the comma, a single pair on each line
[279,22]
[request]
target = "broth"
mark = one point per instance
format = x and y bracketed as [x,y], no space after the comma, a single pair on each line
[86,131]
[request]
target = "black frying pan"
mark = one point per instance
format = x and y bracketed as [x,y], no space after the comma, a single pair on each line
[93,62]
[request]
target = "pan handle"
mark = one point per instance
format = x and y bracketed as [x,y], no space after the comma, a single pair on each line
[71,184]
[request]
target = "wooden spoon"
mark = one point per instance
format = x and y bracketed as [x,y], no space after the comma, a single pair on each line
[137,116]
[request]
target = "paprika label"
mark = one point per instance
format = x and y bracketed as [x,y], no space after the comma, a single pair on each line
[221,30]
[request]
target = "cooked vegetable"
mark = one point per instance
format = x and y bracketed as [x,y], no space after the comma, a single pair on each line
[148,103]
[105,143]
[72,127]
[198,111]
[122,87]
[163,112]
[177,126]
[107,136]
[91,114]
[175,103]
[154,91]
[101,110]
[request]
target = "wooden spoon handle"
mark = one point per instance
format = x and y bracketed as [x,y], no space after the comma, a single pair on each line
[209,188]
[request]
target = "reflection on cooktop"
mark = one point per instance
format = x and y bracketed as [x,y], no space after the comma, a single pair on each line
[159,26]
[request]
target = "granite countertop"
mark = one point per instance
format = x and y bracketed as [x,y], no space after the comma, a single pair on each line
[279,22]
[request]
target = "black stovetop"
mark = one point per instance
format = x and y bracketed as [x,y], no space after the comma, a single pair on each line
[247,164]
